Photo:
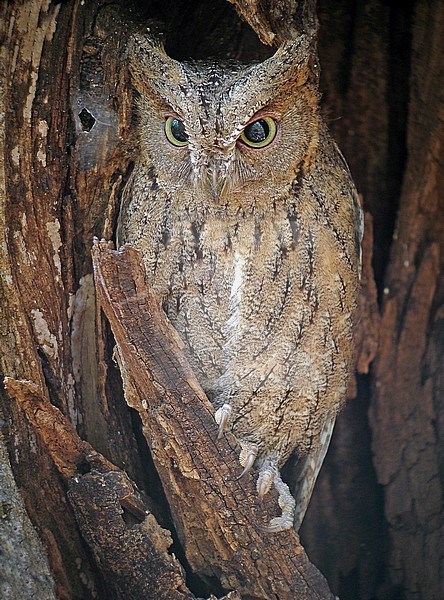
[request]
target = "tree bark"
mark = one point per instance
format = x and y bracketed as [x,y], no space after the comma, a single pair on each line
[379,500]
[215,515]
[106,490]
[407,410]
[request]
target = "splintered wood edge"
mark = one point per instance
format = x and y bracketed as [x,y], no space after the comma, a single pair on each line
[98,499]
[59,436]
[287,20]
[253,14]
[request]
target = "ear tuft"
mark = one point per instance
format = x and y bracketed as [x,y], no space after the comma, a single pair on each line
[296,61]
[150,67]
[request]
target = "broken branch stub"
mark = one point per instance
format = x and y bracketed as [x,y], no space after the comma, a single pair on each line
[216,516]
[128,545]
[285,20]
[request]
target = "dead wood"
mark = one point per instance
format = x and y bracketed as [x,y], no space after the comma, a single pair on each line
[129,546]
[280,20]
[375,525]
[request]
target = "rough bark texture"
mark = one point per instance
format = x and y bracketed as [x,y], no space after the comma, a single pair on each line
[19,543]
[83,512]
[408,395]
[381,514]
[129,547]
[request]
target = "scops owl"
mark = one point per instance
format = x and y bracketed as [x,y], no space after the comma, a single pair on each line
[250,228]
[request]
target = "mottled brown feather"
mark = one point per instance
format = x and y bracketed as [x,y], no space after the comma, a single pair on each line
[261,281]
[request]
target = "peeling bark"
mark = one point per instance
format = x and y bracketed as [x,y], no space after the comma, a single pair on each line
[80,455]
[131,552]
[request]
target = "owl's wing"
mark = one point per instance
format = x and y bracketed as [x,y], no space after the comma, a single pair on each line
[123,211]
[302,472]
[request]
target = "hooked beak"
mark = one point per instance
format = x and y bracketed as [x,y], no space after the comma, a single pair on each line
[217,180]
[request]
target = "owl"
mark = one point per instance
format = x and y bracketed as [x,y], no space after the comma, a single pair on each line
[249,226]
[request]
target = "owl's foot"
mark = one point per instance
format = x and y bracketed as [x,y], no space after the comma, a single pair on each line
[222,417]
[247,457]
[265,481]
[270,475]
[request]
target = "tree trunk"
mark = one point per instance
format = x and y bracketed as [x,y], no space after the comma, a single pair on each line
[375,525]
[112,486]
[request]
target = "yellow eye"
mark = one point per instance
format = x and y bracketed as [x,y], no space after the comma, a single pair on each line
[260,133]
[175,132]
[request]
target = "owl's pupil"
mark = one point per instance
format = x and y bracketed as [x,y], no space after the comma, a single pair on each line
[257,132]
[178,130]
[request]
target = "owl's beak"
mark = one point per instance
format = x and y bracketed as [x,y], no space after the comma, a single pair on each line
[217,179]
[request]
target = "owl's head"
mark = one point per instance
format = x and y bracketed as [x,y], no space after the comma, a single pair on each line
[214,131]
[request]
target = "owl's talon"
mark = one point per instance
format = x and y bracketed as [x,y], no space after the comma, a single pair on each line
[277,524]
[247,457]
[269,474]
[247,467]
[264,482]
[222,416]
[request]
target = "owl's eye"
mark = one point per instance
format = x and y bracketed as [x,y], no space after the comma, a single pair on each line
[175,132]
[260,133]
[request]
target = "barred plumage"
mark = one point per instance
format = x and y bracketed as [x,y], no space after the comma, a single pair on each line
[253,251]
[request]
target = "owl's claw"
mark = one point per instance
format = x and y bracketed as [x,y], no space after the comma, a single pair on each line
[249,464]
[286,501]
[264,482]
[222,416]
[249,451]
[247,457]
[277,524]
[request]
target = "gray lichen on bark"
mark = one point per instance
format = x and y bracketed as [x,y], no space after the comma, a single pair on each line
[24,571]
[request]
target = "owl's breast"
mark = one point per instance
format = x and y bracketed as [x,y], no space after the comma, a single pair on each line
[263,303]
[250,298]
